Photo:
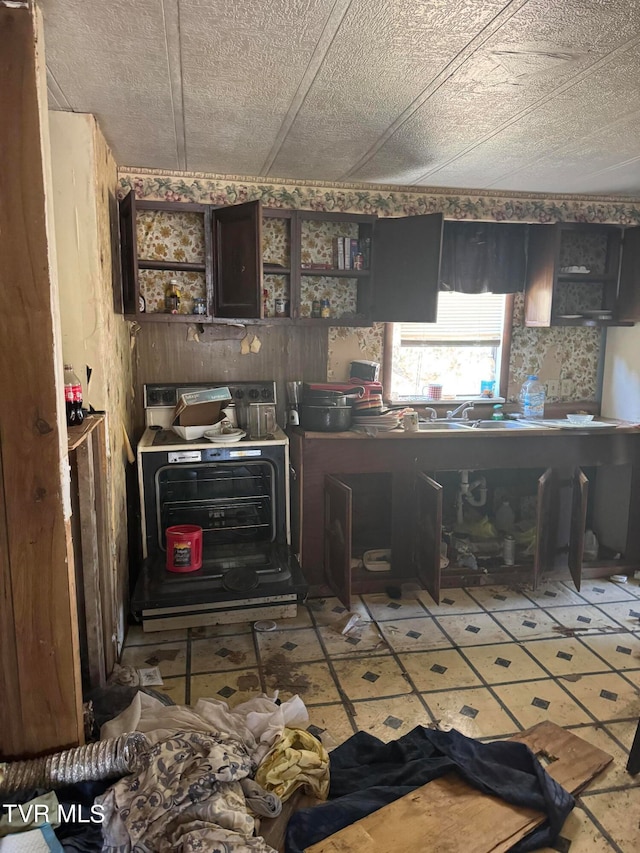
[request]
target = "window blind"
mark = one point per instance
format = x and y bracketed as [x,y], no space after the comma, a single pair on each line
[463,318]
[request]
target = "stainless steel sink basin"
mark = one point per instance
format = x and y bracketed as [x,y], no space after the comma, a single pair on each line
[502,425]
[435,426]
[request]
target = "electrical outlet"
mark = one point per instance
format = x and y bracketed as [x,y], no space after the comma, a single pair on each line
[566,387]
[553,388]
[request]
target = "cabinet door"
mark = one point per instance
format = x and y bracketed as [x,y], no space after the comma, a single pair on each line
[237,246]
[406,269]
[578,524]
[628,307]
[337,537]
[538,296]
[129,253]
[546,524]
[428,533]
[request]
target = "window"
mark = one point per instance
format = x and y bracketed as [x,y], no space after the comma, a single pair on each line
[462,349]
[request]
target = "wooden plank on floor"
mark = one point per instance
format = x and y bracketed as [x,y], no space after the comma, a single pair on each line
[447,810]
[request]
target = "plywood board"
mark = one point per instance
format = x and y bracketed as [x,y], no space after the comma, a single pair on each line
[444,810]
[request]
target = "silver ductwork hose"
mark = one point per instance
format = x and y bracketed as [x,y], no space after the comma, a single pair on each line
[104,759]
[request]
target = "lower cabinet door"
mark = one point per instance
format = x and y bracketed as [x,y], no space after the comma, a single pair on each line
[546,524]
[428,533]
[338,515]
[578,525]
[561,522]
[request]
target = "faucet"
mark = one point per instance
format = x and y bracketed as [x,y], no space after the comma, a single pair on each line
[433,415]
[462,410]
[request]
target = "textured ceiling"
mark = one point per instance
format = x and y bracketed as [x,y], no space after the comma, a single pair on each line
[537,95]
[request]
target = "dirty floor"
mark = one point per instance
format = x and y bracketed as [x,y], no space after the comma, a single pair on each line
[488,661]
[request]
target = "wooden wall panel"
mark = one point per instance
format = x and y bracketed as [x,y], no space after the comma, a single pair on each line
[40,674]
[163,353]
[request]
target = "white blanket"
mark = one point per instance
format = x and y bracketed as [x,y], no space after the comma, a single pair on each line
[258,723]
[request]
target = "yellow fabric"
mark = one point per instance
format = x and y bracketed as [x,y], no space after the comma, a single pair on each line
[298,759]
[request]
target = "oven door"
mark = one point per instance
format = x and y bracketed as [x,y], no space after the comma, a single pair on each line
[235,503]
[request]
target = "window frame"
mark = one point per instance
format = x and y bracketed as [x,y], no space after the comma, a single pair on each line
[505,355]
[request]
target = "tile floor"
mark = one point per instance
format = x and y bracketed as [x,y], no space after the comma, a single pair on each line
[489,661]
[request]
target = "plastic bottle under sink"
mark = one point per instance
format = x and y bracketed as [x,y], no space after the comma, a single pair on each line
[505,517]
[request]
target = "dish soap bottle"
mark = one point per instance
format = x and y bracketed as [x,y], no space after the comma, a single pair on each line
[498,413]
[532,396]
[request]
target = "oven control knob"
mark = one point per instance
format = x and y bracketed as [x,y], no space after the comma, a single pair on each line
[167,397]
[154,398]
[239,394]
[266,393]
[254,393]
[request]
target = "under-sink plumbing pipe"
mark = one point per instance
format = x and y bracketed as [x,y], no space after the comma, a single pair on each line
[466,492]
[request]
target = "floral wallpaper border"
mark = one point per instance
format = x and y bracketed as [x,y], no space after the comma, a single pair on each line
[380,199]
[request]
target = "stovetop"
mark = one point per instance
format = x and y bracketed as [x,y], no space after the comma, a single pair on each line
[167,439]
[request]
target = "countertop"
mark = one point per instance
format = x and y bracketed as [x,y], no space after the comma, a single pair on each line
[616,426]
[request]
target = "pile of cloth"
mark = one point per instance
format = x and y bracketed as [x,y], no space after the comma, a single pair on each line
[205,778]
[210,773]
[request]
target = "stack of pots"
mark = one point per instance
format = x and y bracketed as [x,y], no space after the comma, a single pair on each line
[327,411]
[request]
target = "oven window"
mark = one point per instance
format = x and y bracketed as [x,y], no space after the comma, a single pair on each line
[233,502]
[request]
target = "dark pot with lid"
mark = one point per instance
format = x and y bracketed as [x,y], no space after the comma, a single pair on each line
[326,397]
[329,418]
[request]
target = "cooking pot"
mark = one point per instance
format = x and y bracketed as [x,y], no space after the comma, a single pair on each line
[330,418]
[325,397]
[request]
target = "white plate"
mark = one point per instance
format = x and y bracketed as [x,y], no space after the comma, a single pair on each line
[562,423]
[226,437]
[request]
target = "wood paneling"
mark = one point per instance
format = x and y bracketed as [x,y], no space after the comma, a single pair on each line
[164,353]
[40,675]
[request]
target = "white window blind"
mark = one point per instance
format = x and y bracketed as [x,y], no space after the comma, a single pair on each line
[462,318]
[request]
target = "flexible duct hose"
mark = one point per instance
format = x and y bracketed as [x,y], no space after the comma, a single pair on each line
[101,760]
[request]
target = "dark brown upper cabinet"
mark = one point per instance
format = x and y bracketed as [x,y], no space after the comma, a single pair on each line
[582,274]
[161,242]
[406,269]
[218,254]
[213,254]
[237,275]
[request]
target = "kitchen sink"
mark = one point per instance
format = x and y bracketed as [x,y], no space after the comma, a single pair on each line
[435,426]
[503,425]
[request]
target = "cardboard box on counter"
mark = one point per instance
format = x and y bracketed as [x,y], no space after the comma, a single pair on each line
[198,411]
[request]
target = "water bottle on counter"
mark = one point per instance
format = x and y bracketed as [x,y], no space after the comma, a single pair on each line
[532,395]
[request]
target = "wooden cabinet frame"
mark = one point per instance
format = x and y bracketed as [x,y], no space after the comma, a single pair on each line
[620,280]
[401,283]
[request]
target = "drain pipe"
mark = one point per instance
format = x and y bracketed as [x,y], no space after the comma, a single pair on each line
[466,493]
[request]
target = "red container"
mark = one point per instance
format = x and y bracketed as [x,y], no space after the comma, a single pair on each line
[184,548]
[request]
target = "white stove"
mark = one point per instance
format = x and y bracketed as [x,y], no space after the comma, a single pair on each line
[239,494]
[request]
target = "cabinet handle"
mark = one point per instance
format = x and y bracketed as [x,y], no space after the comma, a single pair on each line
[293,473]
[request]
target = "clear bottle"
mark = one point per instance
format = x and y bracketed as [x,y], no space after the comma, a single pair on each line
[532,396]
[505,517]
[72,396]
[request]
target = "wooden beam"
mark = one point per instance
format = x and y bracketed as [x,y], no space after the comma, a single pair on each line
[41,705]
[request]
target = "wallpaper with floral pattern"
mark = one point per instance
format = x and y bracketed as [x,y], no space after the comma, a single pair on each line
[558,353]
[167,235]
[276,241]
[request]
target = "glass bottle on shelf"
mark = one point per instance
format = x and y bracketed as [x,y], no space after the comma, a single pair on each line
[172,298]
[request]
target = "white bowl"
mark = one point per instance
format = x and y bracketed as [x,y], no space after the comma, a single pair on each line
[579,419]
